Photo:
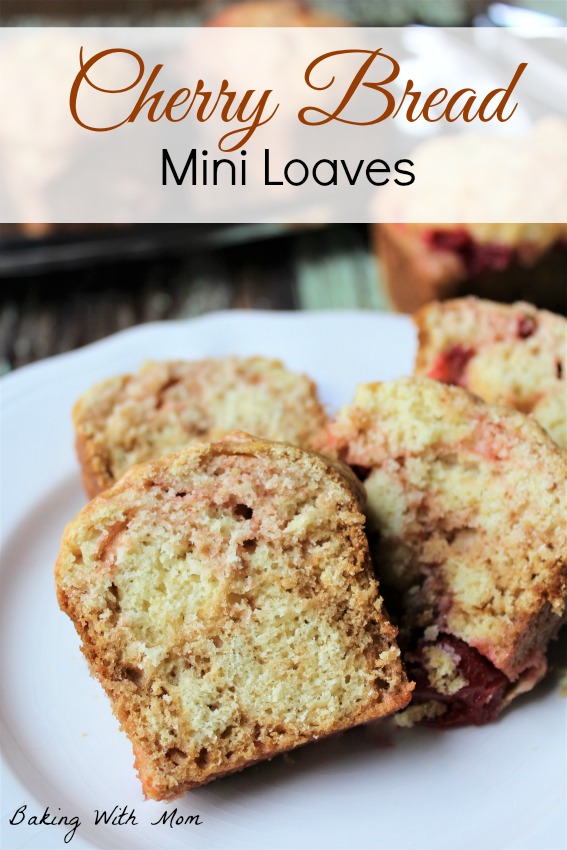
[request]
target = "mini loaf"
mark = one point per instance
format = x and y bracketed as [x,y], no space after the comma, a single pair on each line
[506,354]
[466,515]
[421,260]
[165,406]
[225,600]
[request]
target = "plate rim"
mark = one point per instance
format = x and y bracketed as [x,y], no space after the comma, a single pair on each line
[29,372]
[26,377]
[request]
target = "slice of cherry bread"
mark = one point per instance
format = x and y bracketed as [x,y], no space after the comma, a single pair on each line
[225,600]
[466,515]
[513,355]
[165,406]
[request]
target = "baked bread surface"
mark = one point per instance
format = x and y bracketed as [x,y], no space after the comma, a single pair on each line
[129,419]
[461,253]
[513,355]
[225,600]
[466,513]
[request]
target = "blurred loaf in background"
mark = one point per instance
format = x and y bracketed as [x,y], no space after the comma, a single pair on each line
[502,261]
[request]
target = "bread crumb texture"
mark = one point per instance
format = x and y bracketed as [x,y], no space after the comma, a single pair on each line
[509,354]
[418,713]
[225,600]
[165,406]
[466,512]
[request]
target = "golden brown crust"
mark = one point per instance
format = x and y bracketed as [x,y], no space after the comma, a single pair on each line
[419,319]
[413,274]
[95,463]
[94,473]
[205,582]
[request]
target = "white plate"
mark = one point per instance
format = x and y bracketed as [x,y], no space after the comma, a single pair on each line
[501,786]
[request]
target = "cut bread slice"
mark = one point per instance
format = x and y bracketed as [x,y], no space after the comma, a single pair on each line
[165,406]
[466,513]
[225,600]
[511,354]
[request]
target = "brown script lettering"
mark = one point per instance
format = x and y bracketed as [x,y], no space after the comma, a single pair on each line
[246,110]
[413,105]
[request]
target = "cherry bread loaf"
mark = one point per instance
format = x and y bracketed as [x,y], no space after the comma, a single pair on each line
[421,260]
[466,517]
[507,354]
[424,262]
[165,406]
[225,600]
